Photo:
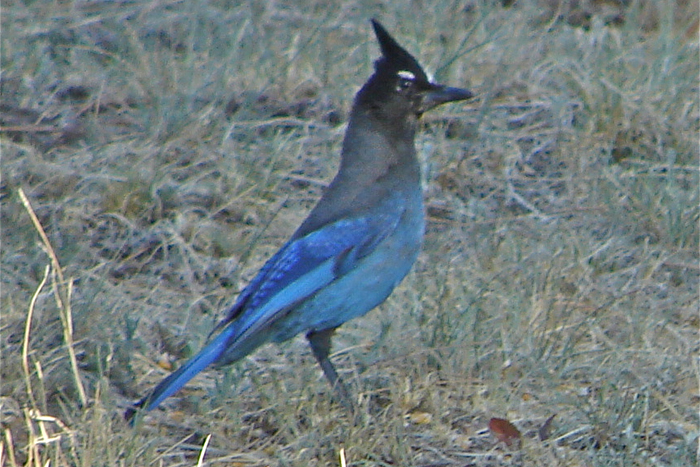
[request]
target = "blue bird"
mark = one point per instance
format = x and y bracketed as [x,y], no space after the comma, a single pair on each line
[355,246]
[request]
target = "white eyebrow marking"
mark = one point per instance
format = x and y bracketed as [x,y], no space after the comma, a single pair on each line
[406,74]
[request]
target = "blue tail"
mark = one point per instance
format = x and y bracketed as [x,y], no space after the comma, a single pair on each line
[189,370]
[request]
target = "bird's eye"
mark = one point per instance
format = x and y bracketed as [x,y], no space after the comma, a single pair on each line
[404,83]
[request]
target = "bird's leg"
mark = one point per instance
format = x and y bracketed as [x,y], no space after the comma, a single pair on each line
[320,342]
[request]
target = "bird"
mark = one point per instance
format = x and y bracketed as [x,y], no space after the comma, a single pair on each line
[358,242]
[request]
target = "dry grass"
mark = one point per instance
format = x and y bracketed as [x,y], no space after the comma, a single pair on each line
[168,148]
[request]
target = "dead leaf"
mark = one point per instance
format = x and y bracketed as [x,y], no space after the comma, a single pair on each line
[504,430]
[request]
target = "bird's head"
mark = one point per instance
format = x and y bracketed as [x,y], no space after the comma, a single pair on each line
[399,86]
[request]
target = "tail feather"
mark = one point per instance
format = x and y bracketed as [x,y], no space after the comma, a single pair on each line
[189,370]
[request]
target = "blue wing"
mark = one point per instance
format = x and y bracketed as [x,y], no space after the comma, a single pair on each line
[298,270]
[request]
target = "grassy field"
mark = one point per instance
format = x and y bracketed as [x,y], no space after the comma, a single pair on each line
[167,148]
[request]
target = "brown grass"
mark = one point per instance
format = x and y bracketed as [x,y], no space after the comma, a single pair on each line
[167,149]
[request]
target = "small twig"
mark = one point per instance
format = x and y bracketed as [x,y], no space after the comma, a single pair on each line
[63,302]
[164,454]
[539,215]
[42,233]
[29,129]
[10,448]
[200,461]
[25,339]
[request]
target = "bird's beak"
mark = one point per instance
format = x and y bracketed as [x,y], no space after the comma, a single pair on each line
[440,94]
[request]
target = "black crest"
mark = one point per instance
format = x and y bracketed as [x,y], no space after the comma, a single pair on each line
[394,57]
